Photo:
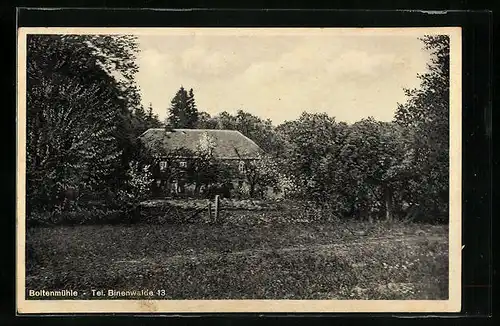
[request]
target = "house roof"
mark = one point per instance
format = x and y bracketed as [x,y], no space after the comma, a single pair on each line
[229,144]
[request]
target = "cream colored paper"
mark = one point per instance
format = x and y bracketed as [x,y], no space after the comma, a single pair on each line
[263,306]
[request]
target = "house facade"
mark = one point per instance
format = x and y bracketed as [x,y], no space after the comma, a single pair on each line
[200,161]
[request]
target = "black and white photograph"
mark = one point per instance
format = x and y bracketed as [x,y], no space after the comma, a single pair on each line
[238,169]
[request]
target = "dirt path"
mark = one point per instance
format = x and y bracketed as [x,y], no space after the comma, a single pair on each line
[338,247]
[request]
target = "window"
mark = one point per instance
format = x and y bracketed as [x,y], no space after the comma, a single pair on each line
[183,164]
[163,165]
[241,166]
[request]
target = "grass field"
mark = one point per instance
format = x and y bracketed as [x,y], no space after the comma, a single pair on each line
[344,260]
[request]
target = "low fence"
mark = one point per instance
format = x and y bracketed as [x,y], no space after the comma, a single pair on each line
[198,210]
[181,211]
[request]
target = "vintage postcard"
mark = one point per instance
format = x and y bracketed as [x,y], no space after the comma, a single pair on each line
[180,170]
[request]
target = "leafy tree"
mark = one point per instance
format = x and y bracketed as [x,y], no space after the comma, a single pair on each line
[183,112]
[80,94]
[262,132]
[204,167]
[425,118]
[205,121]
[139,121]
[139,186]
[225,120]
[356,170]
[308,141]
[260,175]
[367,172]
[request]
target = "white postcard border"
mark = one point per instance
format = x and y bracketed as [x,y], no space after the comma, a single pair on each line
[453,304]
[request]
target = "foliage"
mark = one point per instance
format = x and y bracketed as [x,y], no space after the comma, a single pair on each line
[84,116]
[205,169]
[309,142]
[287,186]
[183,112]
[374,169]
[205,121]
[260,175]
[260,131]
[139,182]
[80,90]
[425,117]
[366,172]
[143,120]
[357,170]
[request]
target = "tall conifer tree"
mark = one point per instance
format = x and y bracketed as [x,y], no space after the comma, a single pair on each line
[183,112]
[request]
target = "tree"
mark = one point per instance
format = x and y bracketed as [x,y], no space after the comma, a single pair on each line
[366,173]
[192,110]
[262,132]
[80,94]
[143,120]
[205,168]
[308,141]
[355,170]
[139,121]
[183,112]
[225,121]
[425,118]
[205,121]
[152,118]
[138,188]
[260,174]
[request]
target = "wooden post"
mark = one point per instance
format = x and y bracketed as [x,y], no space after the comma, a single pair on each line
[209,211]
[216,207]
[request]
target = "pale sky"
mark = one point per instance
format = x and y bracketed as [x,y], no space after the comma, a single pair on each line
[350,77]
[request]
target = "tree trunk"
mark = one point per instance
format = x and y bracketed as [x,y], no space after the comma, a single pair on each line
[388,204]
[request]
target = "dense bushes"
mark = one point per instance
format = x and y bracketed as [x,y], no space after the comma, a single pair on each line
[111,206]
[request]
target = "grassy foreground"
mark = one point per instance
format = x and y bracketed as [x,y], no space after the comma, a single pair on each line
[268,261]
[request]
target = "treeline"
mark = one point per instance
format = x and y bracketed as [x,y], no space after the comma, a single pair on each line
[373,169]
[84,115]
[369,169]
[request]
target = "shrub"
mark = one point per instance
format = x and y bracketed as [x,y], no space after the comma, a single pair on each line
[113,206]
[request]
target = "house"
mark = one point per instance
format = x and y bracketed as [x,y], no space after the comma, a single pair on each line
[180,154]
